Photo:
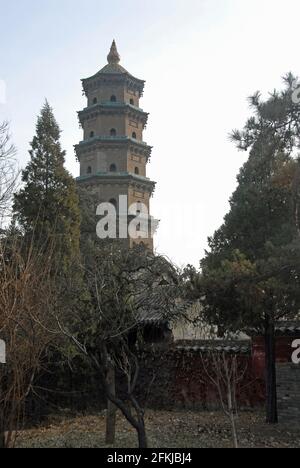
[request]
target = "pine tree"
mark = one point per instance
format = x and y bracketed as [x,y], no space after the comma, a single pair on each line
[251,275]
[47,206]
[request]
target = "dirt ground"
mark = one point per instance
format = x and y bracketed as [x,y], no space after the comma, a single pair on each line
[165,430]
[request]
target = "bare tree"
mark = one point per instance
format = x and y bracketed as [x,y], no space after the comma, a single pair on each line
[224,370]
[25,326]
[24,304]
[8,172]
[126,287]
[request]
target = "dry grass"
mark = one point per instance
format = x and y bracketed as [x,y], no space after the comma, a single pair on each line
[165,430]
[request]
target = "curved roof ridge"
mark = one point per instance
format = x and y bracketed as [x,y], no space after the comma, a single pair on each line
[113,66]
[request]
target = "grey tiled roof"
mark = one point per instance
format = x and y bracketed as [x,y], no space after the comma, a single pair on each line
[151,317]
[113,68]
[288,327]
[238,347]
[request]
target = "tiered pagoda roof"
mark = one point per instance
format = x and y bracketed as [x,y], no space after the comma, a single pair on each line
[113,72]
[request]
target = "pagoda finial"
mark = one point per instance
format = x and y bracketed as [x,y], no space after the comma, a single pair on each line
[113,56]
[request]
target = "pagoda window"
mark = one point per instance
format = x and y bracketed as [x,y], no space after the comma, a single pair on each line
[113,168]
[113,132]
[134,135]
[113,98]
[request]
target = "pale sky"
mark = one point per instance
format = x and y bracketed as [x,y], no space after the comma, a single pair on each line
[200,58]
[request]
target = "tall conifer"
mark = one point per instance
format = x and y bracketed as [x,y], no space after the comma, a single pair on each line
[47,205]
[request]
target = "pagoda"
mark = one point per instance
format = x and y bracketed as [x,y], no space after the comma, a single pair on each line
[113,155]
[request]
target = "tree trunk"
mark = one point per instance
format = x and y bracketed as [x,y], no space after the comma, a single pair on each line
[142,436]
[2,440]
[271,381]
[137,423]
[111,408]
[231,397]
[232,415]
[2,431]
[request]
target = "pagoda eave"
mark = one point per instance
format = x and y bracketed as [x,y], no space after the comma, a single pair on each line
[113,109]
[120,178]
[107,78]
[108,142]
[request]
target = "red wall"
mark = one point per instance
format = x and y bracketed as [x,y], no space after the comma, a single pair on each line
[193,385]
[283,353]
[182,381]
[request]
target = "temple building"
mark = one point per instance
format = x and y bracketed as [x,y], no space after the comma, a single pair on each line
[113,155]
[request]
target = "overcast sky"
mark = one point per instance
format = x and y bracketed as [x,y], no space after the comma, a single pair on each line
[200,58]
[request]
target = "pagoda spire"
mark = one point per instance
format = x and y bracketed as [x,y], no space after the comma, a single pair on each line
[113,56]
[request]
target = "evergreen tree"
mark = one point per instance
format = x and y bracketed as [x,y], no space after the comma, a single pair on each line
[47,205]
[251,275]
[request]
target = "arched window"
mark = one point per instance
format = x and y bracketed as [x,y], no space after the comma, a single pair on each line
[113,98]
[113,132]
[92,134]
[132,102]
[134,135]
[137,171]
[89,170]
[95,100]
[113,168]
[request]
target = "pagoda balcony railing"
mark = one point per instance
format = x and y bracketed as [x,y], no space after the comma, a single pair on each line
[113,138]
[115,104]
[114,174]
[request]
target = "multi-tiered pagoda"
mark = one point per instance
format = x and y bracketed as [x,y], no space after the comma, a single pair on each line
[113,156]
